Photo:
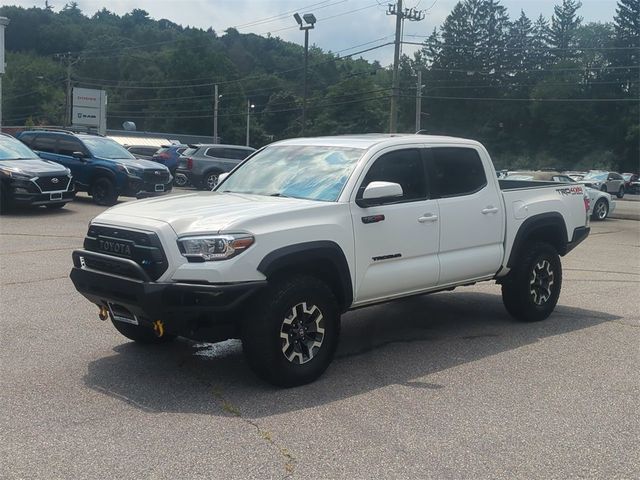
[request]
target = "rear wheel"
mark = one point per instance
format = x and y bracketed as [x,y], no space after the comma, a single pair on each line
[56,206]
[531,291]
[600,210]
[180,180]
[290,335]
[620,193]
[141,333]
[210,180]
[104,192]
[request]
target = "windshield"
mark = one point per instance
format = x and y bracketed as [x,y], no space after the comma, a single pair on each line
[107,148]
[309,172]
[595,176]
[12,149]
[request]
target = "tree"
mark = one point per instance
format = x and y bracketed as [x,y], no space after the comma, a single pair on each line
[564,24]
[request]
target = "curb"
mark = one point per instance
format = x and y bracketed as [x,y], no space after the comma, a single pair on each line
[626,216]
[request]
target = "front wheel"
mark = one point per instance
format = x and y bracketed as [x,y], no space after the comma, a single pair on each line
[620,193]
[104,192]
[600,210]
[140,333]
[531,291]
[290,335]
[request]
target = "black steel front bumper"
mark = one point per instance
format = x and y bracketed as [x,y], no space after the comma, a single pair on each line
[185,308]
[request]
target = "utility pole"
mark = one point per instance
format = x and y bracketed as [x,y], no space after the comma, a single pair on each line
[4,21]
[419,100]
[67,57]
[401,14]
[215,113]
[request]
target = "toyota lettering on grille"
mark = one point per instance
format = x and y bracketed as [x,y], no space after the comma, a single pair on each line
[115,247]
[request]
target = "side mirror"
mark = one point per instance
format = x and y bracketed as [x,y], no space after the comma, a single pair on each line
[79,156]
[377,193]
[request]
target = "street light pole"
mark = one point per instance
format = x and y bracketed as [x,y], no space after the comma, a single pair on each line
[215,114]
[310,21]
[249,107]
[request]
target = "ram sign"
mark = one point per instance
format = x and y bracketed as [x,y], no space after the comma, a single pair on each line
[90,109]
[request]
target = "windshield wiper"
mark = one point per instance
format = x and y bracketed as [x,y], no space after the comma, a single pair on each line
[278,194]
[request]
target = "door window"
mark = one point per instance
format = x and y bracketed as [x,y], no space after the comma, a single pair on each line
[66,146]
[456,171]
[404,167]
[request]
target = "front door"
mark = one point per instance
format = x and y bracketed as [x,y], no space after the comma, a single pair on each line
[396,241]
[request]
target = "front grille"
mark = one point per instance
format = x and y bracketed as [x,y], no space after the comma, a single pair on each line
[156,176]
[53,183]
[146,250]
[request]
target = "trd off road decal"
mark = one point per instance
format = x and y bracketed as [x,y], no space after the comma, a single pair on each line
[570,191]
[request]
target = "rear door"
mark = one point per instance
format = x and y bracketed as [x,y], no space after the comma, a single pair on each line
[396,241]
[471,213]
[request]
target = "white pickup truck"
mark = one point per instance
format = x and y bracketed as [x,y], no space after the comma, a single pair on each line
[306,229]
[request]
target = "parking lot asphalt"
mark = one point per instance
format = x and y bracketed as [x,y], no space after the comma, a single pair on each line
[439,386]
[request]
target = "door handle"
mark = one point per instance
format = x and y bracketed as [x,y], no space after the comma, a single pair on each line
[489,209]
[429,217]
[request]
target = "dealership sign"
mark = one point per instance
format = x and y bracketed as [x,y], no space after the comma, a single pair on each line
[90,109]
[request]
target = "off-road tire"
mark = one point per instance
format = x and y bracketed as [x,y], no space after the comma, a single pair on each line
[283,304]
[104,192]
[141,333]
[520,293]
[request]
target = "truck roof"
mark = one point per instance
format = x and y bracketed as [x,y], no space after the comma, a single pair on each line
[368,140]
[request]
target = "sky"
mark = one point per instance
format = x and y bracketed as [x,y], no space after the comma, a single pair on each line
[343,26]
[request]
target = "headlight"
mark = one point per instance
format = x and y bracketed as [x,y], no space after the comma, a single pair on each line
[214,247]
[129,170]
[15,173]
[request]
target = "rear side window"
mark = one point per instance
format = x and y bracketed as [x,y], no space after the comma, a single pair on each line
[189,151]
[181,150]
[236,153]
[44,143]
[404,167]
[216,152]
[27,138]
[456,171]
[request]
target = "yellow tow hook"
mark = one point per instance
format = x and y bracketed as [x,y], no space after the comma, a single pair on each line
[158,328]
[103,313]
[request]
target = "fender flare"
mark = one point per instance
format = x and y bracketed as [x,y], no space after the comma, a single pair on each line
[552,220]
[327,252]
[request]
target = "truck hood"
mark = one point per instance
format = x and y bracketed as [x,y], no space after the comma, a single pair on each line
[206,212]
[34,167]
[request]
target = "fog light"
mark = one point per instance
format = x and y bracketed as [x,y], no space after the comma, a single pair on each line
[21,190]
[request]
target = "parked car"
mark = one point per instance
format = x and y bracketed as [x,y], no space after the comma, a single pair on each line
[25,179]
[100,166]
[144,152]
[577,176]
[307,229]
[601,204]
[168,156]
[611,182]
[631,182]
[202,164]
